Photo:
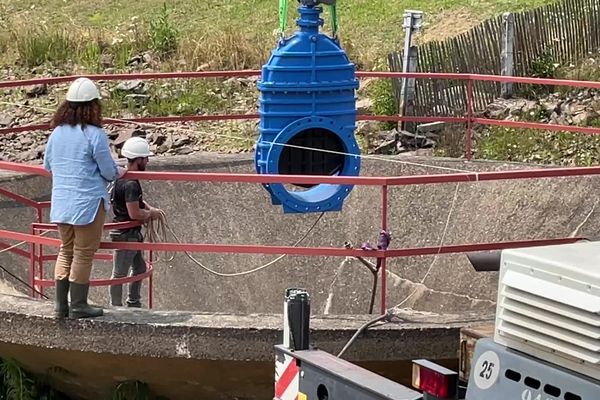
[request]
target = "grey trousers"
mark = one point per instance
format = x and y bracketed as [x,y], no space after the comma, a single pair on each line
[123,262]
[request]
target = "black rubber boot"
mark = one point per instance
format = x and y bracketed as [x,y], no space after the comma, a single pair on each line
[61,302]
[79,305]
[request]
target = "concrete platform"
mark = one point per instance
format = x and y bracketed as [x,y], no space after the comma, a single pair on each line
[183,355]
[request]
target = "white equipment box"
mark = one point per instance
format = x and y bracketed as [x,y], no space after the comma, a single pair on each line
[549,304]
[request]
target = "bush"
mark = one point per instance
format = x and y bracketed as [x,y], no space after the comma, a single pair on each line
[164,37]
[382,95]
[543,66]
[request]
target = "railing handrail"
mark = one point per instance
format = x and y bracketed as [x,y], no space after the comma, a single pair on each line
[216,177]
[252,73]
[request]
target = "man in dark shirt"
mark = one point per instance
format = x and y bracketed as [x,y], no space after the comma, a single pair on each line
[128,205]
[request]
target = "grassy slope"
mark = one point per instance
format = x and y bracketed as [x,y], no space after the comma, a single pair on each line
[213,30]
[372,26]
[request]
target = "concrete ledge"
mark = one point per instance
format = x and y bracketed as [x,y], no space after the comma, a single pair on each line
[227,337]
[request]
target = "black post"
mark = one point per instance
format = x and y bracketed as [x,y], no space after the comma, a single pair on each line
[298,315]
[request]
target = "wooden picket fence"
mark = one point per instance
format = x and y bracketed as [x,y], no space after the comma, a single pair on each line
[562,33]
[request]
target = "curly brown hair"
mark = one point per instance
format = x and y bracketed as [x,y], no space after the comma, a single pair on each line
[72,113]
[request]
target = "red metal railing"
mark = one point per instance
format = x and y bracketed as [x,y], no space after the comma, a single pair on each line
[37,258]
[383,182]
[468,119]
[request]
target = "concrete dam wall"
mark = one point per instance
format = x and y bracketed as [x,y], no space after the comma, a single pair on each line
[418,216]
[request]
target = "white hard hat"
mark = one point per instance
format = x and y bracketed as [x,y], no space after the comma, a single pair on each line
[136,147]
[82,90]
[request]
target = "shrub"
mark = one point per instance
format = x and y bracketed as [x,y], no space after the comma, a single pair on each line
[164,37]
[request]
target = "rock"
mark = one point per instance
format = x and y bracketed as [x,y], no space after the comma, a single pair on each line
[388,135]
[575,108]
[26,140]
[410,140]
[135,60]
[163,148]
[157,138]
[126,134]
[386,147]
[5,120]
[182,141]
[366,127]
[528,106]
[363,106]
[557,119]
[137,99]
[148,57]
[107,61]
[37,90]
[136,86]
[27,155]
[184,150]
[550,106]
[497,110]
[583,117]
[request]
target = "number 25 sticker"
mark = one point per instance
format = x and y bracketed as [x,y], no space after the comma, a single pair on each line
[486,370]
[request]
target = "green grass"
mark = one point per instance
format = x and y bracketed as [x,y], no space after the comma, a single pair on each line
[543,147]
[371,28]
[183,97]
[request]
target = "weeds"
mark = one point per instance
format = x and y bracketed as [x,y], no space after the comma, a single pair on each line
[164,37]
[131,390]
[40,45]
[382,95]
[543,66]
[587,70]
[186,97]
[228,50]
[91,54]
[4,41]
[16,385]
[452,142]
[544,147]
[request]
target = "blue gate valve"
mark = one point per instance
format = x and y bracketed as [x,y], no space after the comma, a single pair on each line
[307,111]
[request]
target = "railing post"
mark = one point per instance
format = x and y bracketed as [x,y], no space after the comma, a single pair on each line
[507,55]
[150,283]
[413,20]
[469,118]
[384,227]
[32,265]
[40,218]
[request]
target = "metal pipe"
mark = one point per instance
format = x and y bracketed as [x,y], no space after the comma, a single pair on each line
[383,260]
[469,118]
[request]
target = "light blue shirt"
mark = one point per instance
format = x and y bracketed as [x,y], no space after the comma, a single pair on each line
[81,166]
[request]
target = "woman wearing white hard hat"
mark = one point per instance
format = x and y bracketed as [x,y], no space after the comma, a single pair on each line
[79,158]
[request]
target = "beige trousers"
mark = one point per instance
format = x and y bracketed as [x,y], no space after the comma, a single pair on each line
[79,244]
